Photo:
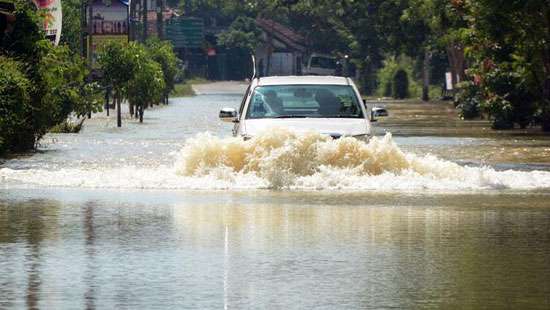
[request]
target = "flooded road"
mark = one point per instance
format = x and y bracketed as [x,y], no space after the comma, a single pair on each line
[138,218]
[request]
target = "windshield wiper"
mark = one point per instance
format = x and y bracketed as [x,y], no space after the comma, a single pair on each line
[291,116]
[339,116]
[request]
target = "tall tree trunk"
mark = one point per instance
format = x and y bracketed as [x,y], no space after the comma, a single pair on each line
[546,82]
[368,78]
[426,75]
[546,92]
[141,114]
[90,32]
[107,103]
[131,108]
[455,54]
[269,53]
[83,25]
[132,23]
[160,19]
[118,112]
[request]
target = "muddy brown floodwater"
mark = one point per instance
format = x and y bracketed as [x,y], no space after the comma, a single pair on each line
[477,141]
[107,219]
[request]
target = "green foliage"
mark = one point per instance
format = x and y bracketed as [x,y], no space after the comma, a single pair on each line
[70,32]
[68,127]
[60,78]
[42,85]
[400,86]
[14,102]
[385,76]
[507,98]
[365,30]
[468,100]
[147,84]
[142,74]
[243,34]
[508,46]
[117,61]
[21,42]
[163,53]
[183,90]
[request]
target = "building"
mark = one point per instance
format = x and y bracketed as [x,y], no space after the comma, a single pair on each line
[281,51]
[109,22]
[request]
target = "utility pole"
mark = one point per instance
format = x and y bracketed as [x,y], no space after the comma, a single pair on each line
[90,30]
[145,22]
[131,30]
[83,26]
[160,19]
[426,75]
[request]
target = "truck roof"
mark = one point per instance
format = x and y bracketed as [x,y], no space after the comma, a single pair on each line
[302,80]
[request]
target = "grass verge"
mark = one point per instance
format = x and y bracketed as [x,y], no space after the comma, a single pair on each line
[68,127]
[185,89]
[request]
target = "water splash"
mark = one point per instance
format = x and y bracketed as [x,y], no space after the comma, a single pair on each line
[313,161]
[282,159]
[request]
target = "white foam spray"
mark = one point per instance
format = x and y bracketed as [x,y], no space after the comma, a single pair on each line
[282,159]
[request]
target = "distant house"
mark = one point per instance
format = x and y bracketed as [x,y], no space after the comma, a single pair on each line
[108,23]
[109,19]
[282,49]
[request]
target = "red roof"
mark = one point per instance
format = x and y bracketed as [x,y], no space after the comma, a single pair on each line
[282,33]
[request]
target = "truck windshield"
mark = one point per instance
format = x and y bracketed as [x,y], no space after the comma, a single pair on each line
[295,101]
[323,62]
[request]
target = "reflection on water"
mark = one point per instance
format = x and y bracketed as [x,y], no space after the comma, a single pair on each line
[210,250]
[62,246]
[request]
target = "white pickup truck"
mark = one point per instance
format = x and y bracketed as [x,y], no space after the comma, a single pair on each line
[320,64]
[326,104]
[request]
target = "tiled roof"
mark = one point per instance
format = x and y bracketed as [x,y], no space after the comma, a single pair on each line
[282,33]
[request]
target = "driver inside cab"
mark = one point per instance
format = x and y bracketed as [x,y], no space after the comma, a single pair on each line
[274,102]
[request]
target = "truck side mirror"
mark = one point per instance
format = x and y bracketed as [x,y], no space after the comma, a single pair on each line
[228,115]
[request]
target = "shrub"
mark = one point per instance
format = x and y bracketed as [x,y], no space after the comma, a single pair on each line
[507,98]
[242,34]
[42,88]
[385,77]
[14,103]
[468,100]
[400,85]
[68,126]
[147,86]
[163,53]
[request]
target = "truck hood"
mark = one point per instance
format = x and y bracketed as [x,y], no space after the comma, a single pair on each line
[331,126]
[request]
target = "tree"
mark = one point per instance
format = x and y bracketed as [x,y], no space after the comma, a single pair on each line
[56,79]
[71,26]
[365,30]
[163,53]
[132,72]
[117,61]
[147,85]
[14,102]
[400,85]
[447,22]
[513,37]
[243,33]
